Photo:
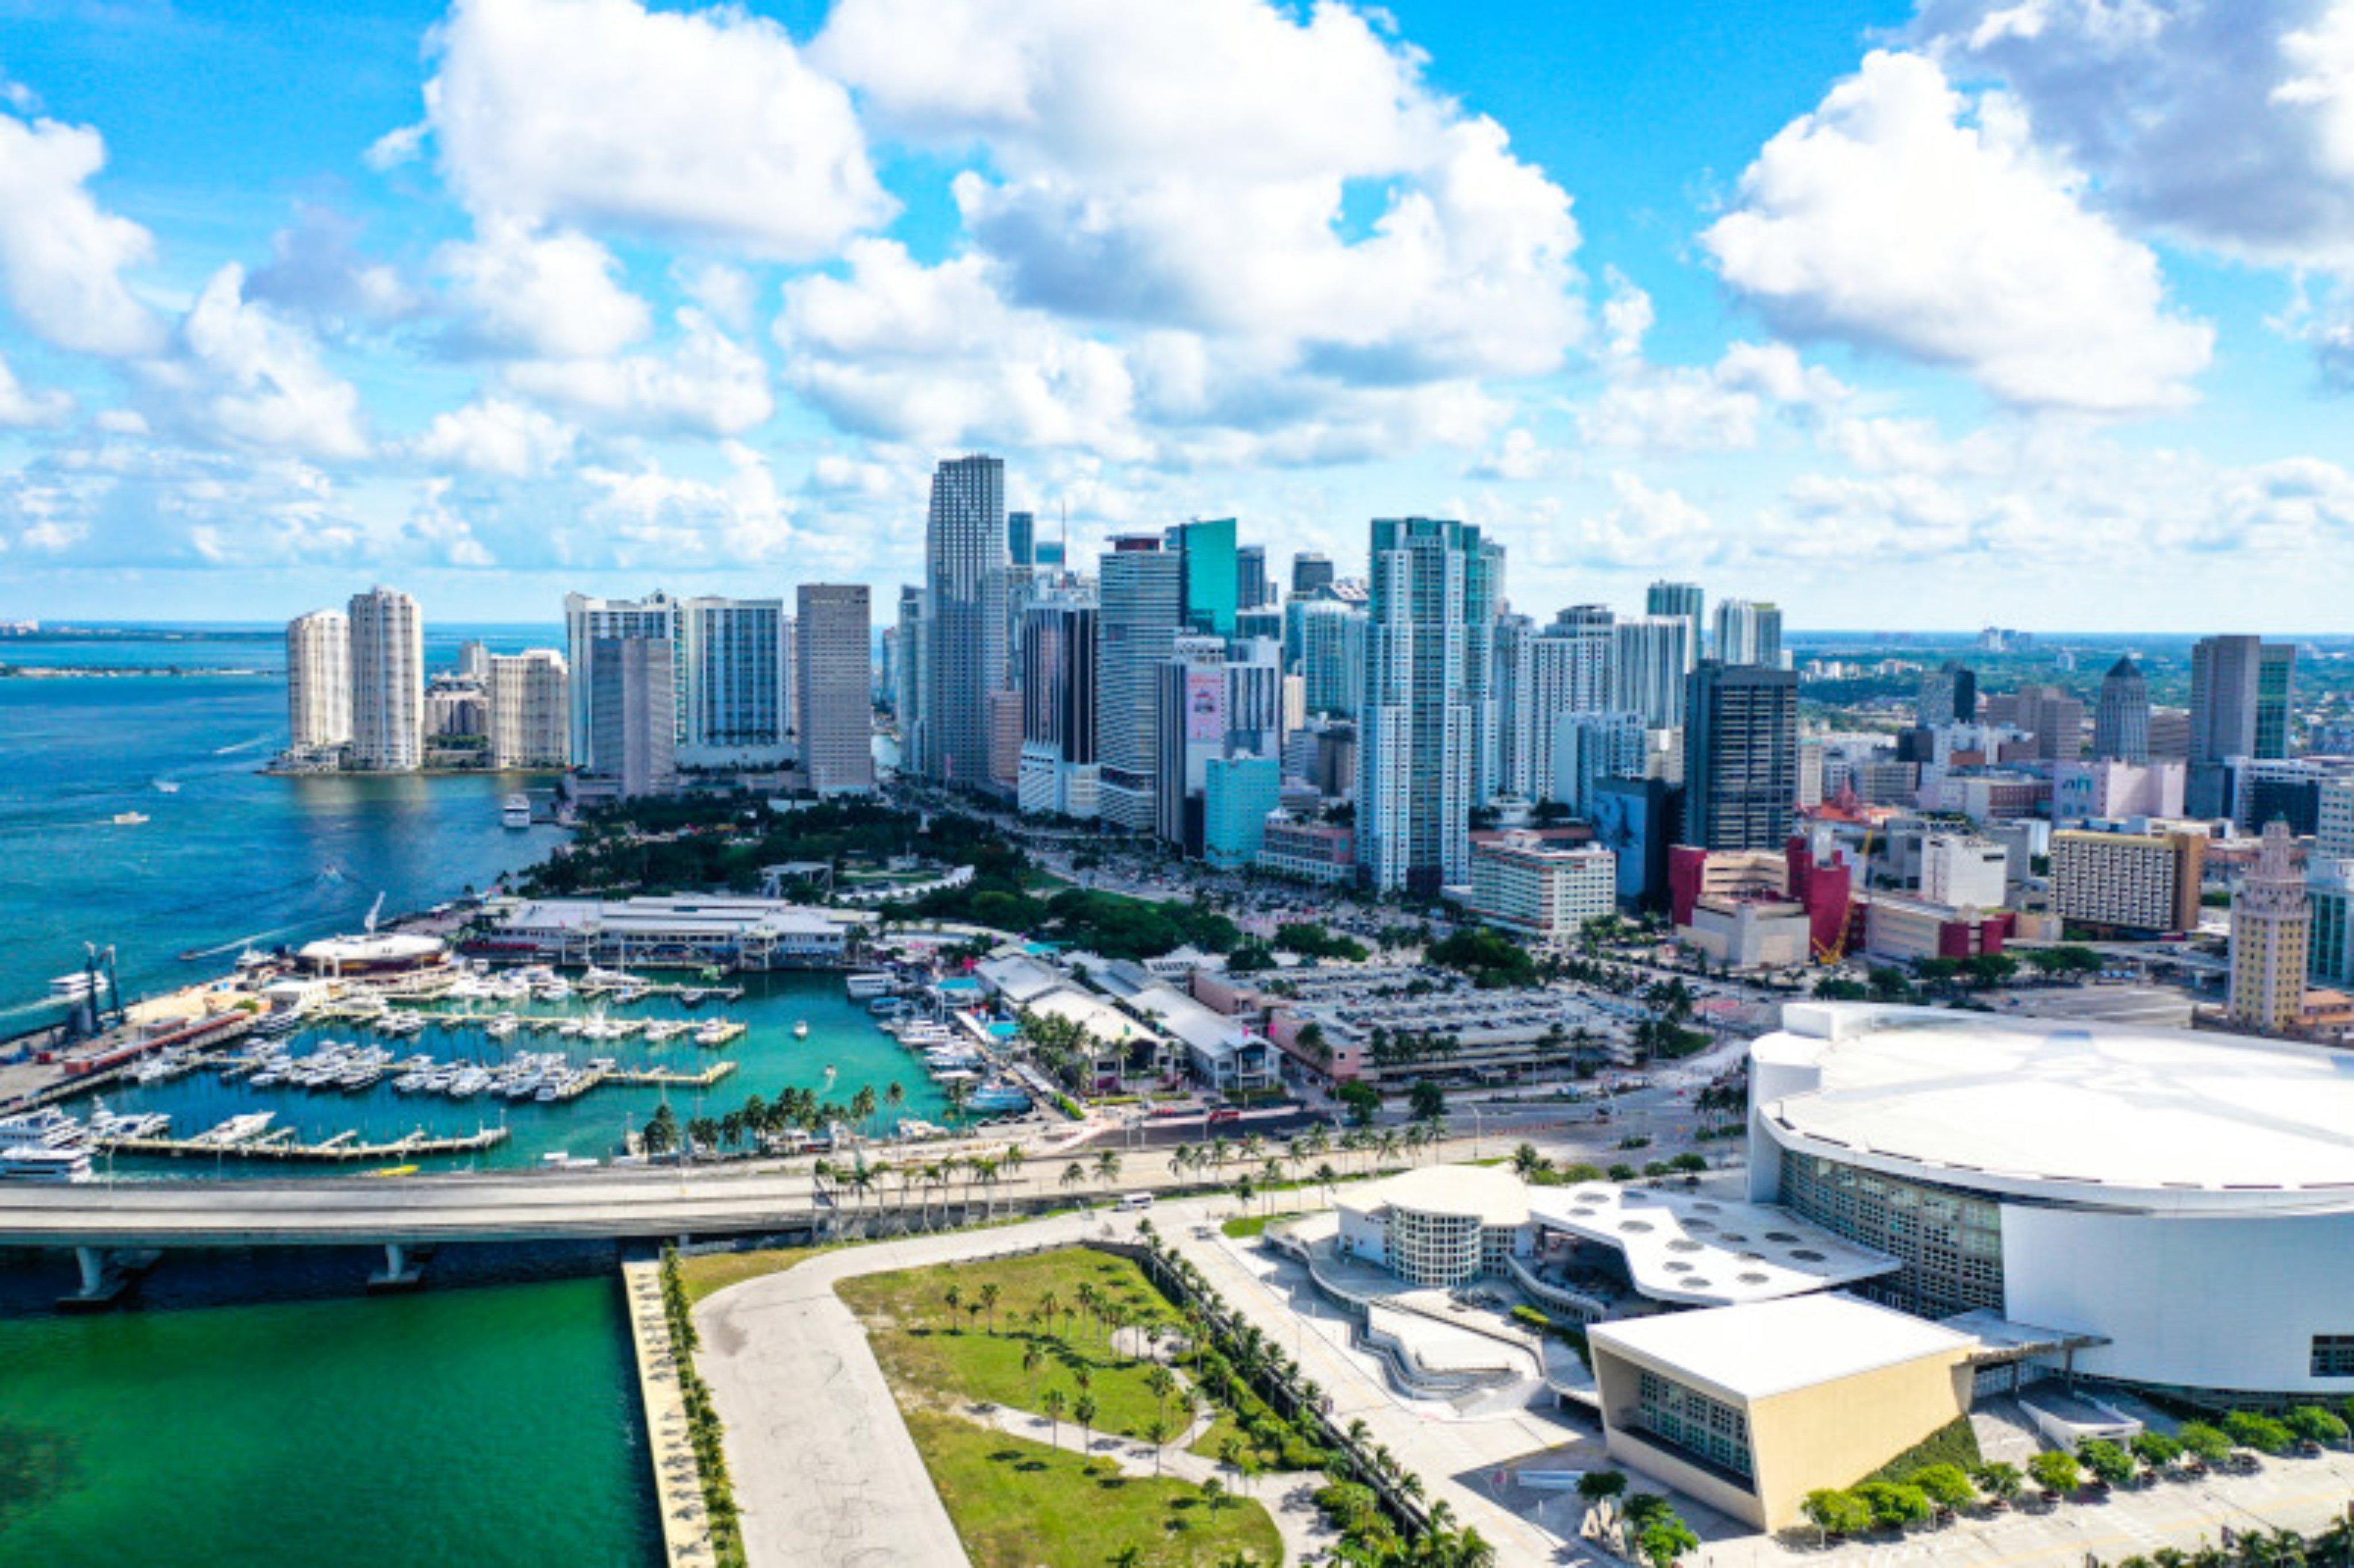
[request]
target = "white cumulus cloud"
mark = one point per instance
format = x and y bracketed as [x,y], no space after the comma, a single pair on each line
[497,436]
[706,383]
[243,376]
[543,295]
[1902,214]
[61,255]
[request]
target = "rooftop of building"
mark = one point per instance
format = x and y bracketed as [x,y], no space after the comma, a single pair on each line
[680,915]
[374,947]
[2047,1105]
[1705,1247]
[1760,1350]
[1494,1195]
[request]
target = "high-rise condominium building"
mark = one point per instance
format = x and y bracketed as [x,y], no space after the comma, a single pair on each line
[319,680]
[1567,671]
[1058,706]
[1417,730]
[2121,722]
[1310,573]
[1650,658]
[1189,729]
[2127,881]
[1683,601]
[1741,756]
[474,660]
[1588,748]
[1748,632]
[1332,655]
[2240,694]
[586,622]
[2272,926]
[1021,538]
[528,699]
[832,629]
[1251,586]
[633,714]
[387,662]
[914,683]
[965,562]
[1143,610]
[736,680]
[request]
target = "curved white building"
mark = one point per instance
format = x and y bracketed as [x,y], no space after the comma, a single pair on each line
[2179,1204]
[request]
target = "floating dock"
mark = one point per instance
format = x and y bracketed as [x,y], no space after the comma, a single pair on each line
[343,1148]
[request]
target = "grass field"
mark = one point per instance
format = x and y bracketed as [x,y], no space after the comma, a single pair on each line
[707,1272]
[938,1355]
[1024,1505]
[1242,1227]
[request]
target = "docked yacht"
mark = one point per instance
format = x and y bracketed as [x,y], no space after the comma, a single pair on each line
[867,985]
[514,811]
[63,1162]
[46,1128]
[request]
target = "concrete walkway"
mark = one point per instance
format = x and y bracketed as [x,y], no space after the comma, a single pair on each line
[678,1477]
[826,1473]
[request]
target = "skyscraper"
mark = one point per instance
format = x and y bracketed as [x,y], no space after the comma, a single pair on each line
[1021,538]
[965,563]
[1588,748]
[1650,655]
[1417,729]
[2121,722]
[832,629]
[914,674]
[2272,924]
[633,714]
[586,622]
[1748,632]
[2240,689]
[1332,655]
[1685,602]
[1311,573]
[1212,574]
[530,712]
[1189,729]
[319,680]
[1483,597]
[1251,588]
[735,679]
[1143,610]
[1569,672]
[1950,694]
[1058,706]
[1741,756]
[387,662]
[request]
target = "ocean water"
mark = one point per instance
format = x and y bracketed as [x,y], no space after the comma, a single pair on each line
[483,1426]
[233,855]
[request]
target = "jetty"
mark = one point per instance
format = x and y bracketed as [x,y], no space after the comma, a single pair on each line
[668,1077]
[344,1148]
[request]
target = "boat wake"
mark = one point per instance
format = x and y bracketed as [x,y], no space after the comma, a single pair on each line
[241,745]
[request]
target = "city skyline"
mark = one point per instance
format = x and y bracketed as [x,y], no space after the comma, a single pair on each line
[1487,276]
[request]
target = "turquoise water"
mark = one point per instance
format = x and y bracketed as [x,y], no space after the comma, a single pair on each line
[480,1426]
[234,854]
[841,1038]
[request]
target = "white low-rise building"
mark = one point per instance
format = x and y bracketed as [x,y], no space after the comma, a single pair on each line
[1538,890]
[749,933]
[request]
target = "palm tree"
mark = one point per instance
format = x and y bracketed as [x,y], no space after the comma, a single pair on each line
[1107,1167]
[1032,1357]
[1085,1411]
[989,1294]
[954,1297]
[1073,1174]
[1163,1383]
[1156,1432]
[862,1109]
[893,1098]
[1053,1405]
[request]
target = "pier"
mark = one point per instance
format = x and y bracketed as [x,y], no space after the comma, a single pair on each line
[666,1077]
[344,1148]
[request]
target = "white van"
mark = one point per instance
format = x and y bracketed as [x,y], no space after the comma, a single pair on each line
[1136,1200]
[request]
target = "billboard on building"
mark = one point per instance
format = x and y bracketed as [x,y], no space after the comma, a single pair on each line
[1205,705]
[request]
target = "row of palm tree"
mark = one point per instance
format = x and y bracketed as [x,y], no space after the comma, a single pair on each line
[1435,1539]
[921,1182]
[1370,1147]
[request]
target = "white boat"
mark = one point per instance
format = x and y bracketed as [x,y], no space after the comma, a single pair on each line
[801,1028]
[238,1129]
[129,819]
[867,985]
[514,811]
[504,1024]
[66,1162]
[44,1129]
[712,1034]
[468,1083]
[169,786]
[107,1124]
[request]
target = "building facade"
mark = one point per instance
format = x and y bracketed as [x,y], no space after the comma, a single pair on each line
[586,622]
[633,715]
[834,631]
[965,564]
[2272,932]
[2127,881]
[319,681]
[1418,732]
[1142,587]
[530,703]
[1540,892]
[2121,720]
[1748,631]
[388,667]
[1651,657]
[1058,706]
[1741,756]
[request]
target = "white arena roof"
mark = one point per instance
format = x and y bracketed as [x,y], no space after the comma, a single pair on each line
[1774,1346]
[1703,1249]
[2023,1104]
[1491,1192]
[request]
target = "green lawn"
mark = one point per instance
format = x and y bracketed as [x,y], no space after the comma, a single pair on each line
[1023,1505]
[1244,1226]
[708,1272]
[935,1358]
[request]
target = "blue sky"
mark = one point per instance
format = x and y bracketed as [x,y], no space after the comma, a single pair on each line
[1868,308]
